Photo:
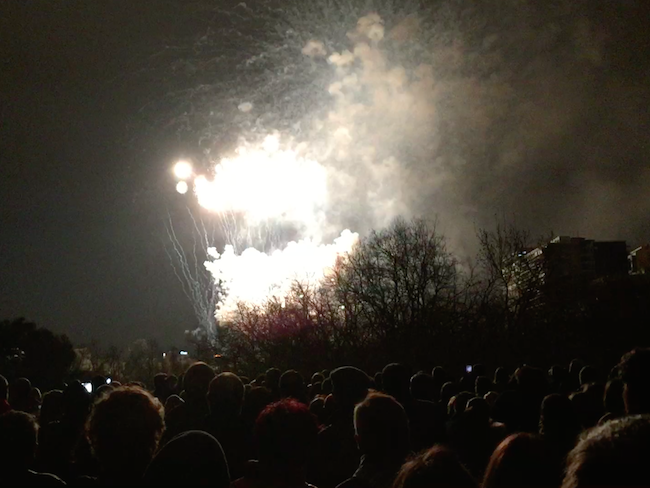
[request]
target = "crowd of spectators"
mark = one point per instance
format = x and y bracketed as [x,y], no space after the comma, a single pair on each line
[567,427]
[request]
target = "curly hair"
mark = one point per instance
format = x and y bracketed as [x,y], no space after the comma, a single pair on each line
[125,427]
[612,454]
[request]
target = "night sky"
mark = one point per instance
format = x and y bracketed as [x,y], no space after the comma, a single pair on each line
[86,187]
[82,209]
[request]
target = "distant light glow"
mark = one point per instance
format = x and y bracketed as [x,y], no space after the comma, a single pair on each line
[183,353]
[183,170]
[182,187]
[245,107]
[109,380]
[164,354]
[88,387]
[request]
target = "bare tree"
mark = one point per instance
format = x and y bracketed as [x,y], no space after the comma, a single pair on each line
[391,293]
[512,271]
[142,361]
[401,277]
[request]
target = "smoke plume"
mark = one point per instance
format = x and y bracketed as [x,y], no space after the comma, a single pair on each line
[535,111]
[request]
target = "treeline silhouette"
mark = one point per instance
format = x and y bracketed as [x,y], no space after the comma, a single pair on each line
[401,296]
[404,296]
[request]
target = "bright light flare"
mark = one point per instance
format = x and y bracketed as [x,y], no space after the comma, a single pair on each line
[183,170]
[182,187]
[255,277]
[265,183]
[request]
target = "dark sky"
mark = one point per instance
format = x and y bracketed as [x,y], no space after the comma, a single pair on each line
[81,220]
[85,188]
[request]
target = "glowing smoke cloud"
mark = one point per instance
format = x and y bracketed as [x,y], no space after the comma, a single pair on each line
[269,184]
[253,278]
[348,166]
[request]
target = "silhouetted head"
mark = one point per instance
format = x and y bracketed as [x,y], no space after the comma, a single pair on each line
[255,401]
[558,373]
[614,402]
[478,370]
[634,369]
[329,405]
[76,401]
[172,383]
[439,375]
[447,391]
[326,386]
[103,390]
[172,402]
[226,394]
[491,398]
[482,385]
[124,429]
[18,435]
[395,381]
[314,389]
[286,434]
[272,379]
[479,410]
[317,408]
[522,460]
[193,458]
[558,418]
[588,374]
[349,386]
[160,383]
[382,428]
[36,398]
[501,377]
[531,380]
[52,407]
[379,382]
[612,454]
[458,403]
[574,368]
[97,381]
[4,388]
[580,403]
[20,393]
[436,467]
[292,385]
[508,409]
[422,386]
[197,381]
